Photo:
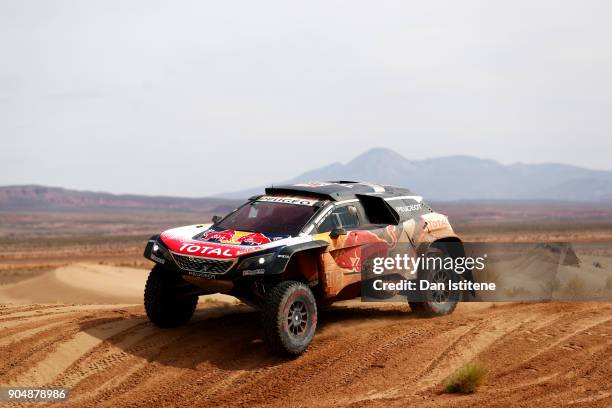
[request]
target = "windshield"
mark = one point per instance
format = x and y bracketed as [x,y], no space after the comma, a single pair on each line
[269,218]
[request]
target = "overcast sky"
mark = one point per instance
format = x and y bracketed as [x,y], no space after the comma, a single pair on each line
[195,98]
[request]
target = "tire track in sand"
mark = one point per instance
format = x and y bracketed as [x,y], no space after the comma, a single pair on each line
[67,352]
[360,357]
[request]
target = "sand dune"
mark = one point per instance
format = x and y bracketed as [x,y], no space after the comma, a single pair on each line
[79,283]
[83,283]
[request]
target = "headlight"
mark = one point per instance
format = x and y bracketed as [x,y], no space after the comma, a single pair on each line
[158,251]
[256,262]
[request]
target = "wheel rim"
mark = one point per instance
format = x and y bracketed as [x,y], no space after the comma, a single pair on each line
[440,296]
[297,318]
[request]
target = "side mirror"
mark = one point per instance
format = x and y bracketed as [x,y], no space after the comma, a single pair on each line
[216,219]
[336,232]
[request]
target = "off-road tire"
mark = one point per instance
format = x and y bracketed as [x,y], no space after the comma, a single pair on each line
[164,301]
[289,318]
[427,306]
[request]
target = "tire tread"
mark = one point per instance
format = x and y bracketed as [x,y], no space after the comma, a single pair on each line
[271,324]
[161,311]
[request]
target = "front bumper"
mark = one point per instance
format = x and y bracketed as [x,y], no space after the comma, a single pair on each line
[244,267]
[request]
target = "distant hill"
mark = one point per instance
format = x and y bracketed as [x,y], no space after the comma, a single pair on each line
[441,179]
[35,211]
[32,197]
[466,178]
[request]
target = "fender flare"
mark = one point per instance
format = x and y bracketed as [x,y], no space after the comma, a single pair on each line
[284,255]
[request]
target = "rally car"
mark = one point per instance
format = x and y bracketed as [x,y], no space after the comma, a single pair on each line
[292,249]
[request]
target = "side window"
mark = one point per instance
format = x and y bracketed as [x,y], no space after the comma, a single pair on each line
[346,217]
[328,224]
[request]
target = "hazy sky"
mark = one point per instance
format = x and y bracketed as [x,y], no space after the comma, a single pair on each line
[196,98]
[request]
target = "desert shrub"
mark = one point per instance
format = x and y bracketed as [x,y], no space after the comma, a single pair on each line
[465,379]
[609,283]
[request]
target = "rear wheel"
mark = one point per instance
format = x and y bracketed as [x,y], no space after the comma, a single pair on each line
[289,317]
[167,300]
[367,288]
[437,301]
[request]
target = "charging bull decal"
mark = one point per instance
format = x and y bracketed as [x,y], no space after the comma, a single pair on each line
[362,245]
[219,236]
[236,237]
[254,238]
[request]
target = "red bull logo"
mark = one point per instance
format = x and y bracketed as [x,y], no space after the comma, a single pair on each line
[236,237]
[255,238]
[219,236]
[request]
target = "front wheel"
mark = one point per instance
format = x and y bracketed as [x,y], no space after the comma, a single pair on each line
[289,318]
[166,298]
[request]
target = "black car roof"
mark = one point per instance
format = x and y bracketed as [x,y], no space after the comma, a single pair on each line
[338,190]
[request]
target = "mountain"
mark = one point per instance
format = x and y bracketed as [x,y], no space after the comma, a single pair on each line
[32,197]
[439,179]
[465,178]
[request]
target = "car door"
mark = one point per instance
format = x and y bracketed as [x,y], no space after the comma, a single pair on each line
[341,261]
[346,254]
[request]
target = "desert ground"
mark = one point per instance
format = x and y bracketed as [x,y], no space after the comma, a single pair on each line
[71,315]
[547,354]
